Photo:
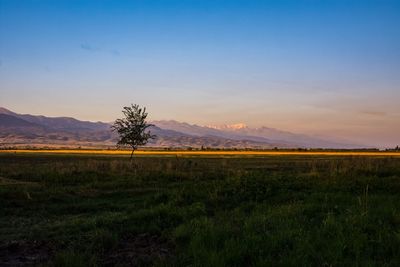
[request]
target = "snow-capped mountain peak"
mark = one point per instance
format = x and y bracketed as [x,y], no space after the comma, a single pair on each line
[236,126]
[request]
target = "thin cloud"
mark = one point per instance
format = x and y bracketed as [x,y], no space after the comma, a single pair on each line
[374,113]
[114,52]
[88,47]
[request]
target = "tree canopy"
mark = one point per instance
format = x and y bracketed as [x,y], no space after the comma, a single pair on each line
[132,128]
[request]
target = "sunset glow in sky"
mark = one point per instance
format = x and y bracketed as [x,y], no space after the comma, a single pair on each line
[327,68]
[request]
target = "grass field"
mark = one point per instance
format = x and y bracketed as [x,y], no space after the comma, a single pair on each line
[182,209]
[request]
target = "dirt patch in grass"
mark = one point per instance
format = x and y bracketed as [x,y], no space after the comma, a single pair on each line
[139,250]
[6,181]
[25,253]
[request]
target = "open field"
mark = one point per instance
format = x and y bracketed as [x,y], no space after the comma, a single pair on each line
[200,208]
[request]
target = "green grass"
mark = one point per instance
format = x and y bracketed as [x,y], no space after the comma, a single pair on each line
[228,211]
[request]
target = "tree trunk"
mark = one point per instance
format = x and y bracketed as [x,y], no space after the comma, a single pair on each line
[133,162]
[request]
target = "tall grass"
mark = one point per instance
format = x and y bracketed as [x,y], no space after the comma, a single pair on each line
[248,211]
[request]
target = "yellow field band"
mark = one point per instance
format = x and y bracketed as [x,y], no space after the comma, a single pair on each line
[199,153]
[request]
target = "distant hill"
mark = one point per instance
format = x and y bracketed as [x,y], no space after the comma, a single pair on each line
[9,121]
[301,140]
[60,123]
[241,131]
[26,129]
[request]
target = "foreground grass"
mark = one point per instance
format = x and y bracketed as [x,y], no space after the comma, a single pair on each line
[177,211]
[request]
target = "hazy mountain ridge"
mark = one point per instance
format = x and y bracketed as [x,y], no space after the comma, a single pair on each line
[241,131]
[196,130]
[63,123]
[171,138]
[30,129]
[279,136]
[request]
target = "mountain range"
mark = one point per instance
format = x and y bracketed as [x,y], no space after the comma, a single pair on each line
[29,130]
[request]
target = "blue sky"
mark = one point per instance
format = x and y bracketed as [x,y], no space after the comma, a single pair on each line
[328,68]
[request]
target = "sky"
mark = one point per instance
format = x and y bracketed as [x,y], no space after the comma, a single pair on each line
[329,68]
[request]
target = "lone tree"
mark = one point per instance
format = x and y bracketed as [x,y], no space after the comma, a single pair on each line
[132,128]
